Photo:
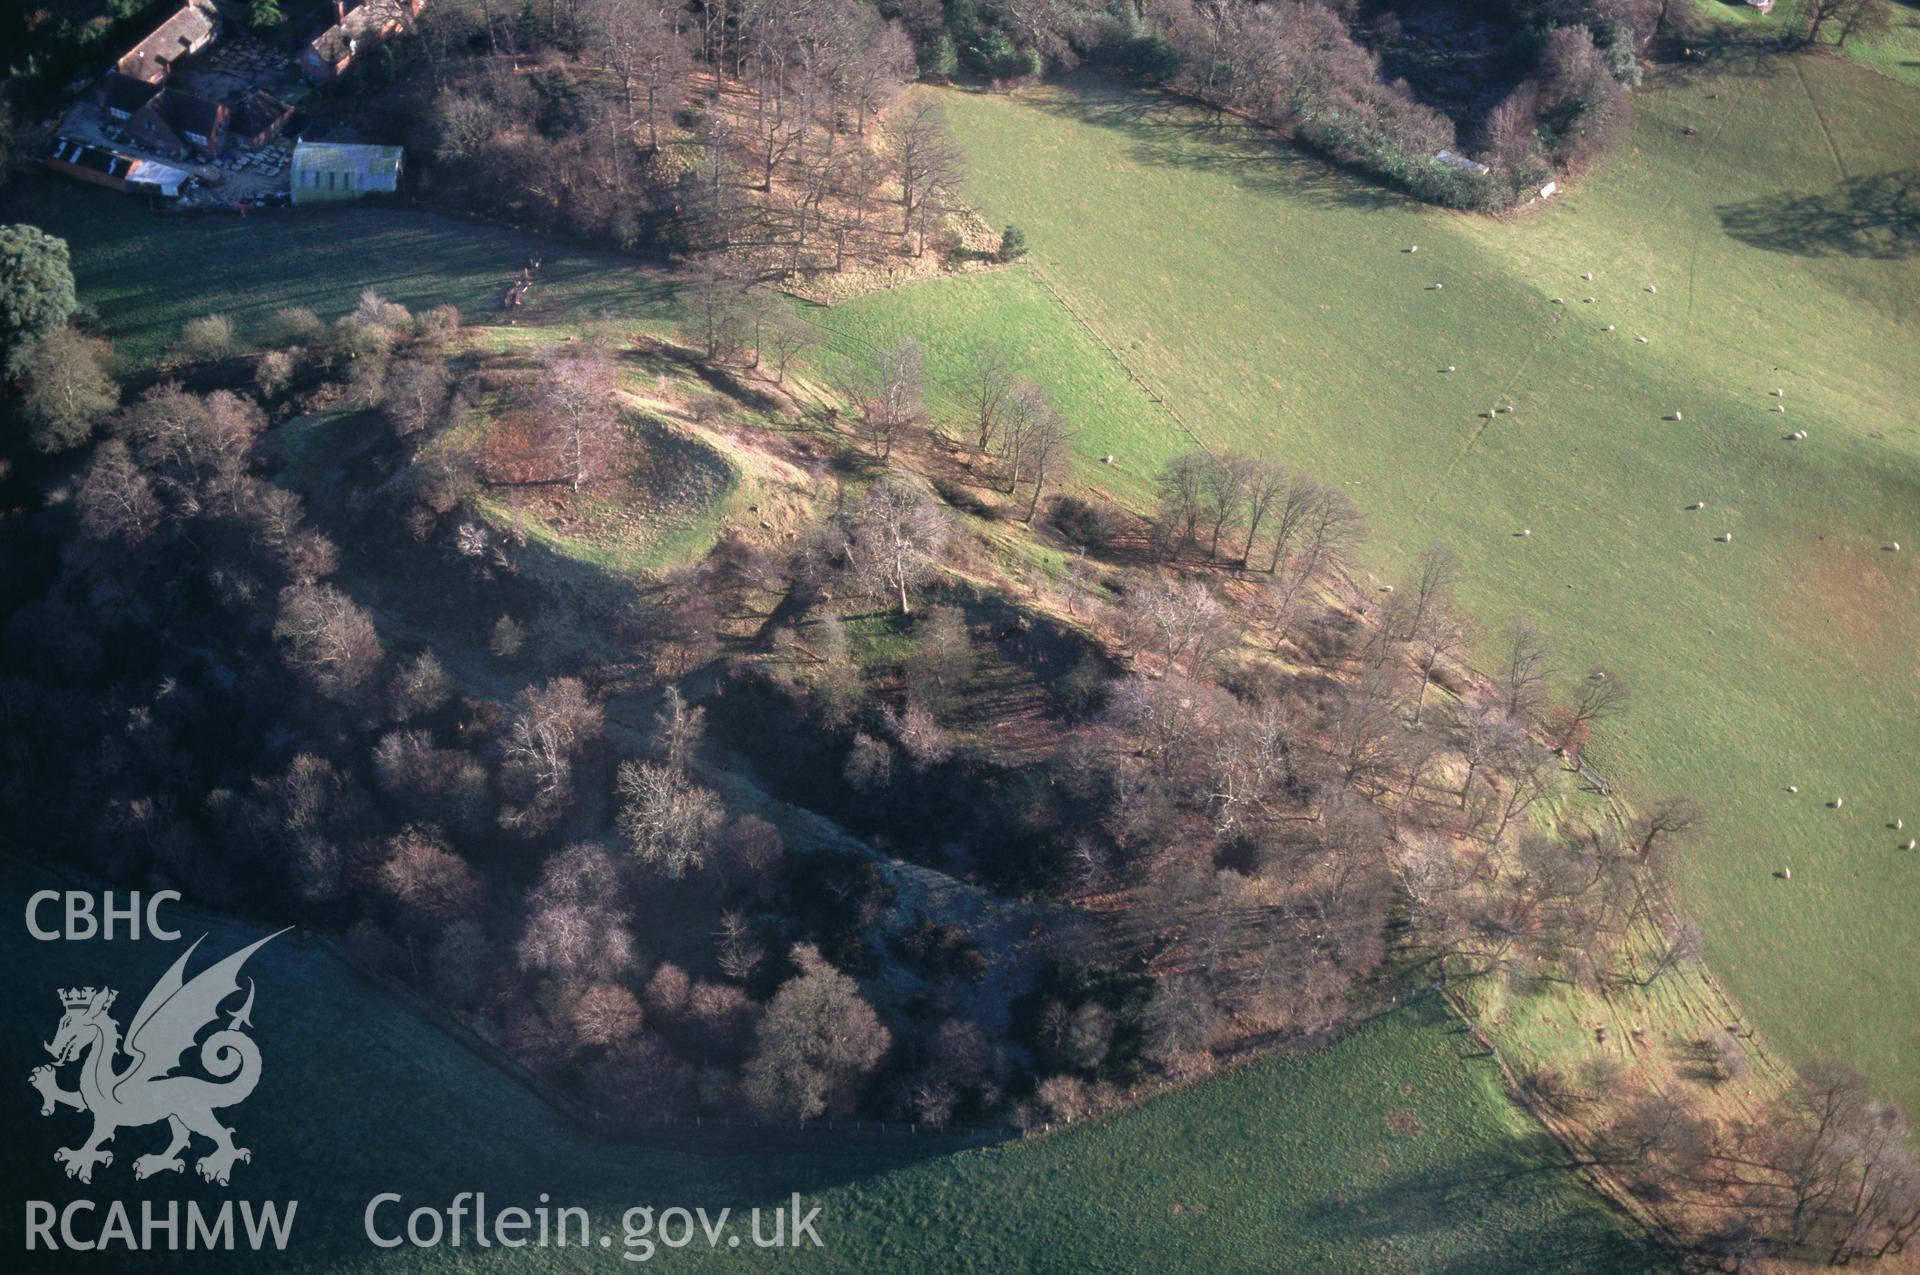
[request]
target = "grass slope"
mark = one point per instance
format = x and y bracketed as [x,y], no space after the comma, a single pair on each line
[954,318]
[1392,1151]
[146,274]
[1273,302]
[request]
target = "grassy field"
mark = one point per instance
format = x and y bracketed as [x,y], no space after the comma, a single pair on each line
[1276,306]
[1392,1151]
[147,274]
[954,318]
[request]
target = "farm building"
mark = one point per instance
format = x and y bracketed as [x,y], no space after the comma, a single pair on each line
[1452,160]
[257,119]
[192,28]
[328,172]
[122,95]
[113,170]
[360,26]
[175,122]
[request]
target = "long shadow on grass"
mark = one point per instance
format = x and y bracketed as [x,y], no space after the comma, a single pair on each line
[1430,1201]
[1165,131]
[1875,217]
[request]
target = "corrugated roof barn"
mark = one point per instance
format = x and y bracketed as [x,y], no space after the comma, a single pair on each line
[328,172]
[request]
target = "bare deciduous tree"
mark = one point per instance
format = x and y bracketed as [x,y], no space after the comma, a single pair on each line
[1526,662]
[330,640]
[928,165]
[668,821]
[580,405]
[899,534]
[818,1038]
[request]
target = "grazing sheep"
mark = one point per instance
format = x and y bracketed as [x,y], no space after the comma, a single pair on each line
[1798,435]
[1386,588]
[1527,531]
[1911,843]
[1726,537]
[1557,301]
[1608,328]
[1698,504]
[1590,300]
[1509,408]
[1413,248]
[1107,459]
[1642,340]
[1793,787]
[1779,407]
[1437,287]
[1450,368]
[1786,874]
[1839,802]
[1898,824]
[1894,547]
[1588,276]
[1678,417]
[1651,288]
[1777,393]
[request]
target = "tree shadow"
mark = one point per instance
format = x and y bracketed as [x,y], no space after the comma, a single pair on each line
[1166,131]
[1707,57]
[1430,1202]
[1875,217]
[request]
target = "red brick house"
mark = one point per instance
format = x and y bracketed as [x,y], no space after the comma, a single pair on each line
[360,26]
[191,29]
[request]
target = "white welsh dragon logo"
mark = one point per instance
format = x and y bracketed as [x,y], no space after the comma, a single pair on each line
[164,1029]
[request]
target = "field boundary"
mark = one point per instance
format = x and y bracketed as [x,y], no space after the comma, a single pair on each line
[1139,381]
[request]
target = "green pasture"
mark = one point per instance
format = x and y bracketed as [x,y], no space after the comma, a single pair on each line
[1275,304]
[147,273]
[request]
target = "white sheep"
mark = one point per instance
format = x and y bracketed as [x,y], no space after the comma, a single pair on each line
[1413,248]
[1839,802]
[1527,531]
[1588,276]
[1509,408]
[1557,301]
[1651,288]
[1608,328]
[1698,504]
[1911,843]
[1726,537]
[1642,340]
[1777,393]
[1678,417]
[1590,300]
[1786,874]
[1894,547]
[1898,824]
[1793,787]
[1438,287]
